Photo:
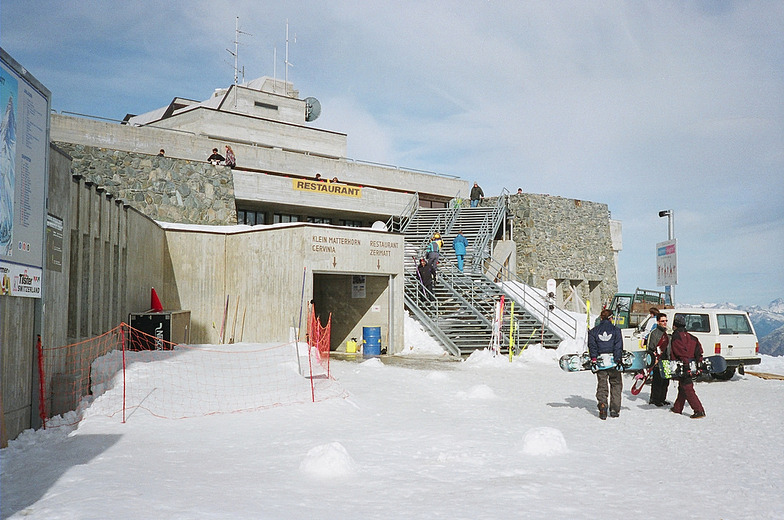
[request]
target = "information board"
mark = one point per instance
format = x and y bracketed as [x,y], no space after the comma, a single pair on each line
[666,263]
[24,144]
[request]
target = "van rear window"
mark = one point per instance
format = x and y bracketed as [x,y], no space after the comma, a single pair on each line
[696,322]
[733,324]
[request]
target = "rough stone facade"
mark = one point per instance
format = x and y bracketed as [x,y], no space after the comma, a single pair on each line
[163,188]
[565,239]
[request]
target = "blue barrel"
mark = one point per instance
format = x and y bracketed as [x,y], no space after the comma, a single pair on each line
[371,336]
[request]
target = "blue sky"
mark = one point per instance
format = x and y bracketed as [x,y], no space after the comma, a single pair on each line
[644,106]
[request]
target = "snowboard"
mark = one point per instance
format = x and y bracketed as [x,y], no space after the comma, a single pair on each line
[636,360]
[674,369]
[645,375]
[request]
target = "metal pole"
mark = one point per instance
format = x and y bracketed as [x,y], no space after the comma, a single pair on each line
[668,289]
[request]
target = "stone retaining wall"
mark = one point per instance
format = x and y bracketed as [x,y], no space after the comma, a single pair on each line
[163,188]
[568,240]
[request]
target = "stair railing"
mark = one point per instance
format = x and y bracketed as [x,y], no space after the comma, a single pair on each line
[563,323]
[399,223]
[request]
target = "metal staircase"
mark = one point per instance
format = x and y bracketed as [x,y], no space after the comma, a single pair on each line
[460,316]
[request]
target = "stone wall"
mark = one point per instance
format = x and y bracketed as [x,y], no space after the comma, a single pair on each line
[163,188]
[568,240]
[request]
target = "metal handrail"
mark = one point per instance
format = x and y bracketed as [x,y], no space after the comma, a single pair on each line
[405,216]
[536,303]
[486,230]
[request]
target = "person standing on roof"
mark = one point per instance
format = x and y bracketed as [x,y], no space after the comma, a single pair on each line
[460,244]
[476,195]
[606,338]
[231,160]
[215,158]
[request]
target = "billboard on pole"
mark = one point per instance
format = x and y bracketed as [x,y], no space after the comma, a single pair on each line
[666,263]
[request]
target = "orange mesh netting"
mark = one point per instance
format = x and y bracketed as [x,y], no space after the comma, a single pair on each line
[126,369]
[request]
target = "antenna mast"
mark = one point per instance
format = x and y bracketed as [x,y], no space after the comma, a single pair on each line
[286,62]
[237,33]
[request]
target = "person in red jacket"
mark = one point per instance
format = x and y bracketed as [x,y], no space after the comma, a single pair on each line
[686,348]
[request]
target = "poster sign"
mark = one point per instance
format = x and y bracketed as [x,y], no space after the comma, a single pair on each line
[358,282]
[666,263]
[24,144]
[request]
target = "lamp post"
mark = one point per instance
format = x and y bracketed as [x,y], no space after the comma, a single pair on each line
[670,236]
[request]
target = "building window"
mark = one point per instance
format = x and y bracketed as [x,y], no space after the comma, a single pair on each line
[261,104]
[279,218]
[319,220]
[250,218]
[351,223]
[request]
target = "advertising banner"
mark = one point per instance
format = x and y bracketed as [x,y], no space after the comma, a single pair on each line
[24,143]
[666,263]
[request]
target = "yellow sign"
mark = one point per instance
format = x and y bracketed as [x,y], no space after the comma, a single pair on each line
[330,188]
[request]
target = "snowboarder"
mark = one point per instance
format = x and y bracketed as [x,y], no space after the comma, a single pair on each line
[606,338]
[425,274]
[686,348]
[459,244]
[476,195]
[659,347]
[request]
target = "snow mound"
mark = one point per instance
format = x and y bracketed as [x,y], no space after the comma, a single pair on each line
[538,354]
[478,392]
[485,357]
[435,375]
[372,363]
[328,461]
[544,441]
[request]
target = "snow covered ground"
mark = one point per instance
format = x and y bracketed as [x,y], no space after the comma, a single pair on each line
[420,436]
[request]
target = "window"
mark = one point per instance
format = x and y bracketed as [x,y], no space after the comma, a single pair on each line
[261,104]
[351,223]
[319,220]
[280,218]
[695,322]
[733,324]
[250,217]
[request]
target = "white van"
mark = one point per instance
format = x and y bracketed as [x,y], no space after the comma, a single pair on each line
[725,332]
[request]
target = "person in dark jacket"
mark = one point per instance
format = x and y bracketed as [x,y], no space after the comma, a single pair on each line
[433,254]
[215,158]
[606,338]
[476,195]
[686,348]
[425,274]
[658,348]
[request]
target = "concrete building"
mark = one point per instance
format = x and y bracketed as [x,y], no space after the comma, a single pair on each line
[265,234]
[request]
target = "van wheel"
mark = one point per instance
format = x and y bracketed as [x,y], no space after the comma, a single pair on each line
[726,375]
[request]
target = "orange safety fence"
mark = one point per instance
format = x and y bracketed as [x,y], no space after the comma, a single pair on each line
[126,371]
[318,340]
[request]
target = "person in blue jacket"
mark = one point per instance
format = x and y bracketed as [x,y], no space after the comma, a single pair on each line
[606,338]
[460,244]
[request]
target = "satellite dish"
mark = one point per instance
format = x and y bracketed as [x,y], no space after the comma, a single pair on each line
[312,109]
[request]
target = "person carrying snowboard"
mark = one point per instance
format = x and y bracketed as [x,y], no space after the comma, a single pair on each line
[658,348]
[606,338]
[684,347]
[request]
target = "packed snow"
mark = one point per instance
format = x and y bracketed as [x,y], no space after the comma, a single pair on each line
[420,435]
